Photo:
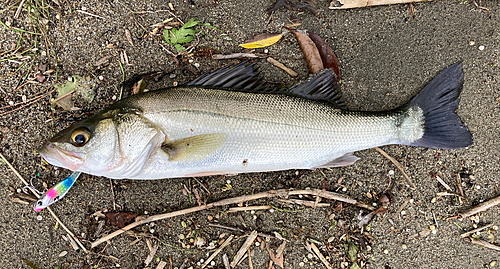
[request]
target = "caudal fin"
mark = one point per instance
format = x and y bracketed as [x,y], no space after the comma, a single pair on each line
[438,101]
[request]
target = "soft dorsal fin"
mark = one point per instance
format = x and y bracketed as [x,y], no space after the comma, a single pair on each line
[321,86]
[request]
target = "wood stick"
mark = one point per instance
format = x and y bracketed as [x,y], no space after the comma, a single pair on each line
[48,208]
[480,207]
[346,4]
[282,67]
[236,200]
[303,202]
[464,235]
[397,164]
[225,260]
[248,208]
[225,244]
[320,256]
[482,243]
[246,245]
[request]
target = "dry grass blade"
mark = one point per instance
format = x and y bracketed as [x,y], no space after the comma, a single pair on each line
[464,235]
[303,202]
[249,208]
[398,165]
[481,207]
[320,256]
[48,208]
[346,4]
[238,56]
[244,231]
[282,67]
[246,245]
[225,244]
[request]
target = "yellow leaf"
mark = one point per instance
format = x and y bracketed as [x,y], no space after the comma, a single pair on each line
[262,40]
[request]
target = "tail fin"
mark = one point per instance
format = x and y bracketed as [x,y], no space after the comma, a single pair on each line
[438,101]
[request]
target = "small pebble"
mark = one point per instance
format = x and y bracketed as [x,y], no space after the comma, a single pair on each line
[118,265]
[331,239]
[62,254]
[181,237]
[11,102]
[101,78]
[38,217]
[495,227]
[478,187]
[172,76]
[296,173]
[433,200]
[257,244]
[145,212]
[210,218]
[310,256]
[271,210]
[175,83]
[481,47]
[228,181]
[113,97]
[391,172]
[472,43]
[190,61]
[412,201]
[404,246]
[152,231]
[252,212]
[386,251]
[369,195]
[58,16]
[202,260]
[403,212]
[368,248]
[344,189]
[212,263]
[266,51]
[493,263]
[196,65]
[301,264]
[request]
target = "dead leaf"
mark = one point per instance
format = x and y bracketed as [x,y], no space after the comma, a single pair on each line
[139,87]
[129,37]
[366,219]
[309,50]
[121,219]
[261,41]
[40,77]
[277,257]
[30,264]
[327,56]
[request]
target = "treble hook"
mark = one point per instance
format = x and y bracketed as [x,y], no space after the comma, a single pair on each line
[32,188]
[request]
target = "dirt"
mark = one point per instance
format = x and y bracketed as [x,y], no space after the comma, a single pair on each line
[386,55]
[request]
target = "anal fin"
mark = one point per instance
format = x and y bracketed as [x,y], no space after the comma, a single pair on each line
[193,148]
[344,160]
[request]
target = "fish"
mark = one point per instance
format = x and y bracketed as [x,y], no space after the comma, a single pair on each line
[56,193]
[230,121]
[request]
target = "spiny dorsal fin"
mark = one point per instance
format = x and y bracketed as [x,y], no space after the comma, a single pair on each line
[321,86]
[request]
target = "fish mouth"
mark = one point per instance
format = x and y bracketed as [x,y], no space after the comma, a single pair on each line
[62,158]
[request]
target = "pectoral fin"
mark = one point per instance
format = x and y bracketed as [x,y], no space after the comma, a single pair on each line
[344,160]
[193,148]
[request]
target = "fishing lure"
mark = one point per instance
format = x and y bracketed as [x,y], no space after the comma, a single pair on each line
[57,192]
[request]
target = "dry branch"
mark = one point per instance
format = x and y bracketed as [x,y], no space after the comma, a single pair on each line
[320,256]
[249,208]
[482,243]
[346,4]
[236,200]
[481,207]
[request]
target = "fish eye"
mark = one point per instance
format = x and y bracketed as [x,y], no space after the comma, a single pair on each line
[80,137]
[39,203]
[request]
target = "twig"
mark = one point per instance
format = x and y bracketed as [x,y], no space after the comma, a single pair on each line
[236,200]
[481,207]
[398,165]
[303,202]
[248,208]
[244,231]
[225,260]
[225,244]
[480,7]
[246,245]
[90,14]
[112,194]
[33,100]
[464,235]
[237,56]
[48,208]
[282,67]
[482,243]
[320,256]
[18,11]
[446,186]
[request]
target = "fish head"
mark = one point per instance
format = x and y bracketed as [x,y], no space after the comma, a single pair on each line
[113,143]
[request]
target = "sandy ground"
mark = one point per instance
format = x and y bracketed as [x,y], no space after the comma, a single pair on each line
[386,56]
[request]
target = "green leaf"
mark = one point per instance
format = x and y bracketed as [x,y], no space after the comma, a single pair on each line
[352,251]
[191,23]
[179,47]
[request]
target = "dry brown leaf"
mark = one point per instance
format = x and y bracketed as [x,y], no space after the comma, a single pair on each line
[309,50]
[326,53]
[261,41]
[121,219]
[277,257]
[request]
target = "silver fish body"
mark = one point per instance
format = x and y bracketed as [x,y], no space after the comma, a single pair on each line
[197,130]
